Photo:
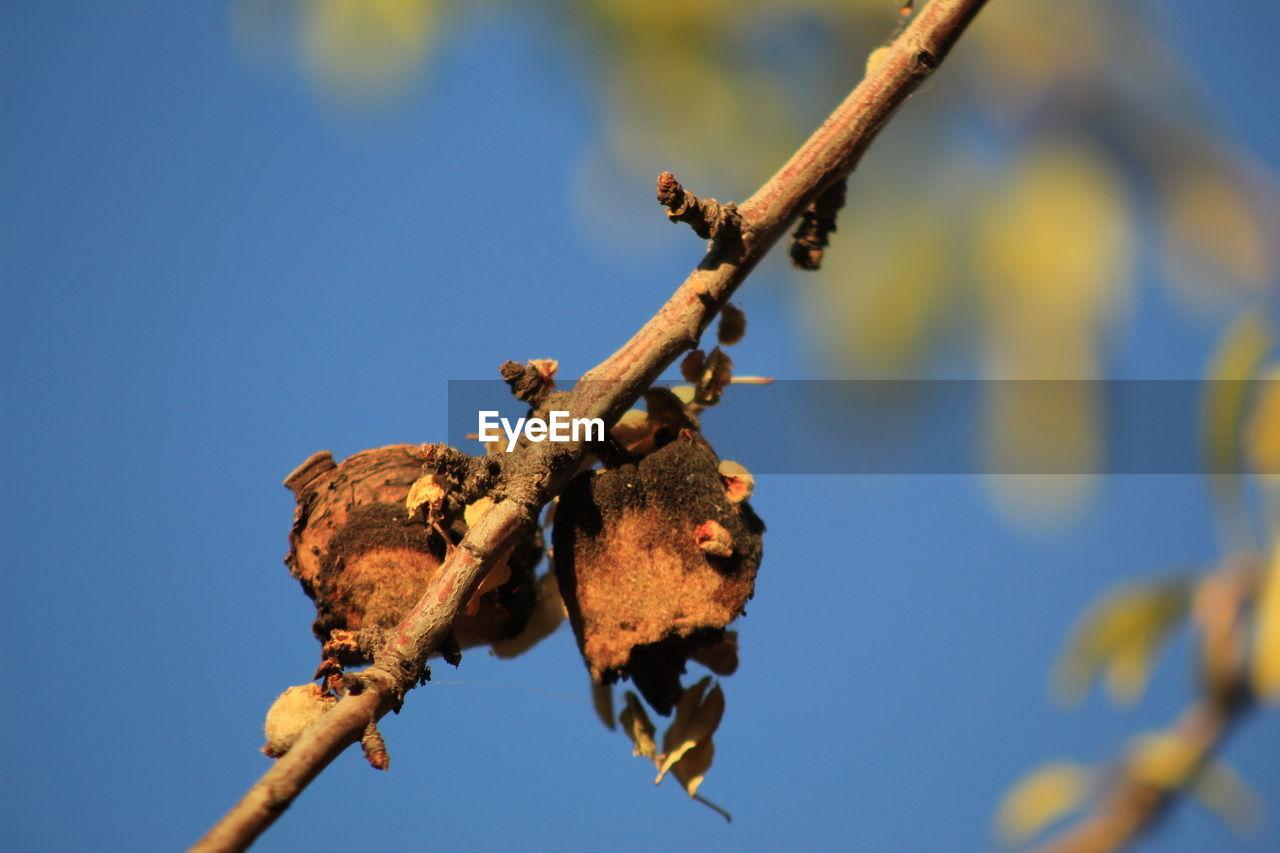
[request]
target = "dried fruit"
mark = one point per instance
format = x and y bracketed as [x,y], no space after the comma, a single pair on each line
[369,535]
[641,592]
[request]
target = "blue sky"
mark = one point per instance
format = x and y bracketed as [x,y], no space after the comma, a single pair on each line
[206,277]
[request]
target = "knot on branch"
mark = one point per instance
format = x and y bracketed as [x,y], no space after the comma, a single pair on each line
[473,476]
[817,223]
[531,382]
[708,218]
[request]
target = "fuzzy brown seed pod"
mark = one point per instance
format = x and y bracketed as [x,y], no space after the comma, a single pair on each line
[364,558]
[641,591]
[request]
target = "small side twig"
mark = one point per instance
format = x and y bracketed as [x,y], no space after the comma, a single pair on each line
[1132,803]
[708,218]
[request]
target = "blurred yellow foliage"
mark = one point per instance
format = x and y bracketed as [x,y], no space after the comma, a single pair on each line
[359,50]
[1046,794]
[1214,240]
[1266,651]
[1052,256]
[1077,103]
[1119,637]
[881,293]
[1239,357]
[1169,762]
[1162,760]
[1223,792]
[1263,430]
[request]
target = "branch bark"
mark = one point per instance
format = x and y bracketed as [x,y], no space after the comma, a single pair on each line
[543,469]
[1131,807]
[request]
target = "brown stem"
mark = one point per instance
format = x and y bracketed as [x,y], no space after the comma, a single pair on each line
[543,469]
[1130,807]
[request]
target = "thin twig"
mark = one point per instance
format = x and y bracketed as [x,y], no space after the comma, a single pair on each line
[543,469]
[1132,804]
[1131,807]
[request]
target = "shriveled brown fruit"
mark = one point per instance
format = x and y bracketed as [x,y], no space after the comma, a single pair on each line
[642,592]
[365,560]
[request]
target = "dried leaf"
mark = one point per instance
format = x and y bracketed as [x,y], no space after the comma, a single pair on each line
[666,409]
[1046,794]
[602,701]
[721,657]
[717,373]
[691,365]
[635,431]
[635,722]
[693,766]
[733,325]
[696,720]
[428,490]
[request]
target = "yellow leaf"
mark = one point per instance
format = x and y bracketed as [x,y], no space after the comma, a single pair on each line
[635,722]
[1238,358]
[369,48]
[1127,673]
[1166,761]
[1263,432]
[1266,651]
[1046,794]
[1119,635]
[1053,255]
[1222,791]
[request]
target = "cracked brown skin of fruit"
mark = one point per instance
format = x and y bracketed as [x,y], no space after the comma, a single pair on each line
[640,591]
[365,561]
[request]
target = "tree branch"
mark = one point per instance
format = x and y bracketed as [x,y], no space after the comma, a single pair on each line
[542,470]
[1134,802]
[1131,807]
